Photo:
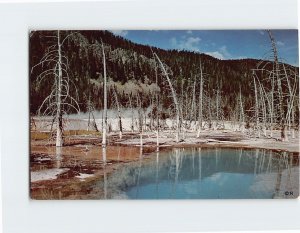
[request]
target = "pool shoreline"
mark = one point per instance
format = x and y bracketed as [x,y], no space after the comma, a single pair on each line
[88,150]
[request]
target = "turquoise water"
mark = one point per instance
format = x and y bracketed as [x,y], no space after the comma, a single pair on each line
[210,174]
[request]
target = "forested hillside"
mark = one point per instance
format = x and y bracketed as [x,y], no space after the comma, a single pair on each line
[132,69]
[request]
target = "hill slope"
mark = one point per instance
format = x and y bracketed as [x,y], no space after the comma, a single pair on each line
[131,69]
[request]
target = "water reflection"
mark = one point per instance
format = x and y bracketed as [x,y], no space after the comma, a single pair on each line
[157,173]
[222,173]
[139,170]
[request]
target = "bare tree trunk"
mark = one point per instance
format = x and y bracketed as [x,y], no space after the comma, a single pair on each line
[90,110]
[140,120]
[157,111]
[272,106]
[151,123]
[59,127]
[193,104]
[132,114]
[200,103]
[55,63]
[105,98]
[242,115]
[256,108]
[183,116]
[174,97]
[217,108]
[290,103]
[89,118]
[89,107]
[279,88]
[294,109]
[293,122]
[209,113]
[119,113]
[264,109]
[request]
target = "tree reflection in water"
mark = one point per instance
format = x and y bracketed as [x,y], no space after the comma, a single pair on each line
[222,173]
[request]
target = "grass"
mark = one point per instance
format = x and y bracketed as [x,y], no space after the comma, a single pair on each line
[37,135]
[81,132]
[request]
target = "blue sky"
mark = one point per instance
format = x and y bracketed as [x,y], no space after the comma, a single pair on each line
[222,44]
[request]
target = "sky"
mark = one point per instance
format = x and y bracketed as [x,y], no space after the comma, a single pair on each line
[222,44]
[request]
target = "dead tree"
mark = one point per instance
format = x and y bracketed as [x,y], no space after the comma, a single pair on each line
[200,119]
[91,116]
[292,90]
[193,104]
[157,109]
[242,114]
[264,76]
[209,108]
[119,112]
[279,88]
[59,102]
[271,104]
[182,109]
[91,109]
[218,108]
[173,95]
[140,117]
[263,108]
[257,125]
[132,111]
[104,131]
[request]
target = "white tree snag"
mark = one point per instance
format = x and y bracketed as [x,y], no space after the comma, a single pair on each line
[173,95]
[272,105]
[200,119]
[157,110]
[140,117]
[90,108]
[279,88]
[209,103]
[293,122]
[55,71]
[119,113]
[59,136]
[242,115]
[256,108]
[132,112]
[264,109]
[181,106]
[217,106]
[104,120]
[193,104]
[290,102]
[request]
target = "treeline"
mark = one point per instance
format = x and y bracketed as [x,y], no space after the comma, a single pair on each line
[132,70]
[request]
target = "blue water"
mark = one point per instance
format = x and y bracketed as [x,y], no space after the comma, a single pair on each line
[220,185]
[207,174]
